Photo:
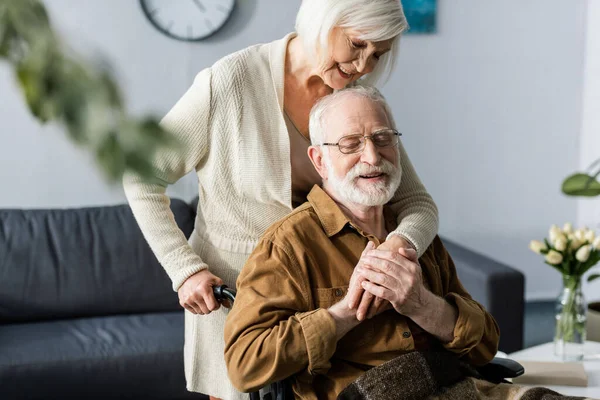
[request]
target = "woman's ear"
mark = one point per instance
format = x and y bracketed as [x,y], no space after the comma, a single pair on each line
[315,153]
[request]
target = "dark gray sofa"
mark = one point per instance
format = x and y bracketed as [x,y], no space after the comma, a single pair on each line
[87,312]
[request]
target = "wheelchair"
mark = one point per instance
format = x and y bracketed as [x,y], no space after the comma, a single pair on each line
[496,371]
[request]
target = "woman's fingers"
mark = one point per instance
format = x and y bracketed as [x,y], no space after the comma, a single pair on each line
[410,254]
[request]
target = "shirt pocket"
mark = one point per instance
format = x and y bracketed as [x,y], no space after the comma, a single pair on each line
[326,297]
[360,335]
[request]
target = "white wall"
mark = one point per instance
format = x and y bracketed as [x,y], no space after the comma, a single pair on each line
[589,209]
[490,107]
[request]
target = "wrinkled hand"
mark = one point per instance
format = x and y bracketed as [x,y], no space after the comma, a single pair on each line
[360,300]
[395,277]
[371,305]
[395,243]
[346,318]
[196,293]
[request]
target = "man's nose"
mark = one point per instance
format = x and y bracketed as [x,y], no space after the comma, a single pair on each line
[370,153]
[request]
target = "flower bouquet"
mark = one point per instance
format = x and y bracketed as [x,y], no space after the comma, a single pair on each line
[572,253]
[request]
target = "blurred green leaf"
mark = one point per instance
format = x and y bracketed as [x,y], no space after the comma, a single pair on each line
[111,157]
[593,277]
[580,184]
[83,97]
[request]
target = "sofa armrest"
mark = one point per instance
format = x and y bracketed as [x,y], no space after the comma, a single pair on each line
[496,286]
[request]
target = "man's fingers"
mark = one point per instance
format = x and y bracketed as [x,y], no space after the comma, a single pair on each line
[377,276]
[363,308]
[377,290]
[355,292]
[375,304]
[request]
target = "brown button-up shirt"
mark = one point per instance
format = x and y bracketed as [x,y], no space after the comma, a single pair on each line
[279,325]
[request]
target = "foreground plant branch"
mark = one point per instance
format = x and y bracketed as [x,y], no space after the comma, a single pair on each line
[84,98]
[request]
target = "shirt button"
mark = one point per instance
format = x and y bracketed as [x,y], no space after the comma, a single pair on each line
[406,335]
[338,292]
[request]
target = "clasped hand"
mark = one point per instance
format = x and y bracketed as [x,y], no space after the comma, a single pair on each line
[383,279]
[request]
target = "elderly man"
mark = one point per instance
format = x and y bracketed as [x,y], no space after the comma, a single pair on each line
[296,309]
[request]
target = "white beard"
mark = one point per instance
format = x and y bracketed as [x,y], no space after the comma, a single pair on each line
[374,194]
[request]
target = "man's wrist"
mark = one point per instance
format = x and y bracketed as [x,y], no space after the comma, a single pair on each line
[345,319]
[429,307]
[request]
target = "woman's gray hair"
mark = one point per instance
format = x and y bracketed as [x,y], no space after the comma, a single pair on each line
[377,20]
[319,111]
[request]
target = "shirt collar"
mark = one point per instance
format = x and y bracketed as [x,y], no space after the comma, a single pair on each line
[331,216]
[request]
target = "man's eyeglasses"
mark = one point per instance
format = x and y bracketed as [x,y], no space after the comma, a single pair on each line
[354,143]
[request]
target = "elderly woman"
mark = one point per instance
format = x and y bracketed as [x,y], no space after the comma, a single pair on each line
[243,126]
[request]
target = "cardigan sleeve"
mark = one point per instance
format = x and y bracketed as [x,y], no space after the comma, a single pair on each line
[417,213]
[188,122]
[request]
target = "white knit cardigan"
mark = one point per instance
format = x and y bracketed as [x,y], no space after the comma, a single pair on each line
[233,134]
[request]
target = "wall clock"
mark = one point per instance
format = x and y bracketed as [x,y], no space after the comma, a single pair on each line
[188,20]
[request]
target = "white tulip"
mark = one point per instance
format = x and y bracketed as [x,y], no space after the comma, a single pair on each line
[554,257]
[590,235]
[583,253]
[568,228]
[597,243]
[554,232]
[575,243]
[537,246]
[561,244]
[580,235]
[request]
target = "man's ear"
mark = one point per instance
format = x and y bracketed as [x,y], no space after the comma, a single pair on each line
[315,153]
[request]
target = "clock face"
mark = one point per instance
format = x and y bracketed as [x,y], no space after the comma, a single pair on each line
[188,20]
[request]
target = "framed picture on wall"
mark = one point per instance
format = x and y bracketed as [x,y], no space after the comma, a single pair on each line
[421,15]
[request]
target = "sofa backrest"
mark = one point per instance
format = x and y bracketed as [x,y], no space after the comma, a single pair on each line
[81,262]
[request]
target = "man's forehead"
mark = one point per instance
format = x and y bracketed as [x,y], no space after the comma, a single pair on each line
[342,120]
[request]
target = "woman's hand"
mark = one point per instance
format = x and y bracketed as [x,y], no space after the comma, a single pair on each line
[395,243]
[196,293]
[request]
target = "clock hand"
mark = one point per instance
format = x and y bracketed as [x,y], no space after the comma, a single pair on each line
[199,5]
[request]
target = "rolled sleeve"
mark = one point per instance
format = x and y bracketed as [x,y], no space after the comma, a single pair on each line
[320,335]
[475,332]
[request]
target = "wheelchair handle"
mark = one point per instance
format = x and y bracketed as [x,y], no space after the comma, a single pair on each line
[224,293]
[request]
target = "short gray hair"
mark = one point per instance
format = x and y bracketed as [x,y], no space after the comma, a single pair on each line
[377,20]
[319,110]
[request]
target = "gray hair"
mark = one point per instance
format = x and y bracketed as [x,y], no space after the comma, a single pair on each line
[377,20]
[320,109]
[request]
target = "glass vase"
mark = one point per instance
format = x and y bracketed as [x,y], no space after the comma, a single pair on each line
[571,310]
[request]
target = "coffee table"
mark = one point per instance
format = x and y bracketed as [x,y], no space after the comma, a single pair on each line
[591,363]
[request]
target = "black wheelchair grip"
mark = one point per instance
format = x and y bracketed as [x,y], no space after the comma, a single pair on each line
[224,293]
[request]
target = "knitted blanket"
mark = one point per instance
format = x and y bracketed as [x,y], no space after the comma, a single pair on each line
[437,376]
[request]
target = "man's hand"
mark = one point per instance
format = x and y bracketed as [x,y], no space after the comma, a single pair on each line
[357,298]
[345,317]
[196,293]
[366,303]
[395,277]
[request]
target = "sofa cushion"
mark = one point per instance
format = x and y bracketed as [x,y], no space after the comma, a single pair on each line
[121,357]
[81,262]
